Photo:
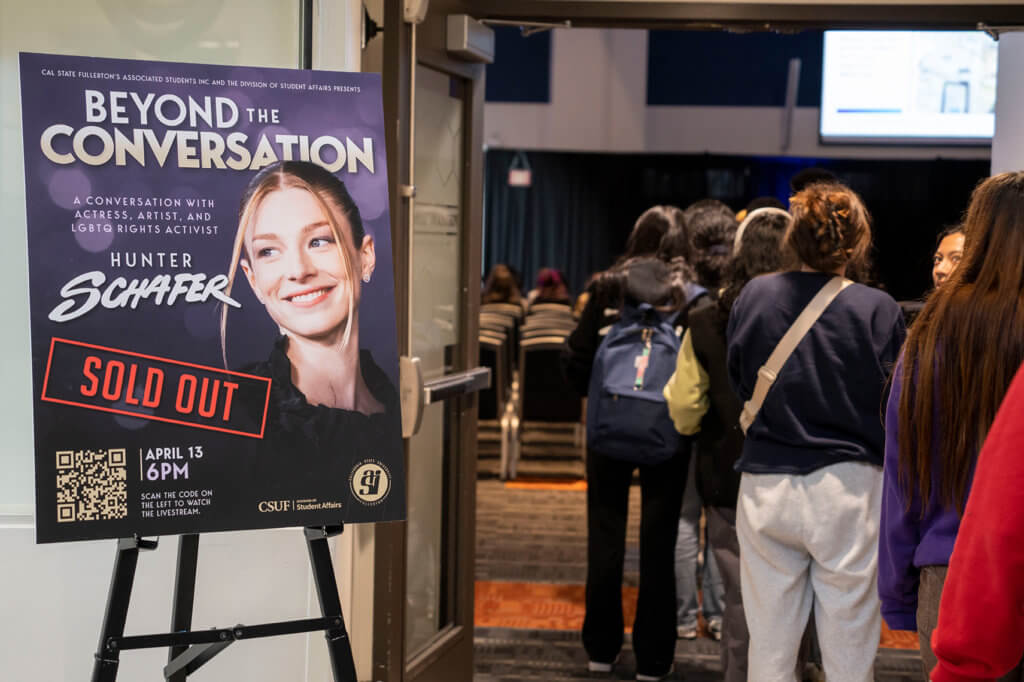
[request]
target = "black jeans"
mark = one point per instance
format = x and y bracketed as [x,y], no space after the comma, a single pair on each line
[654,630]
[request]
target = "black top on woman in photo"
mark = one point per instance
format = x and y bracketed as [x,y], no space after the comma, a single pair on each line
[316,450]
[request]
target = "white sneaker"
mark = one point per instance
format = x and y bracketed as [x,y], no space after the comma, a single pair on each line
[686,632]
[599,667]
[715,629]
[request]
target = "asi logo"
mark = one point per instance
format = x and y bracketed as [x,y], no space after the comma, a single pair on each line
[370,482]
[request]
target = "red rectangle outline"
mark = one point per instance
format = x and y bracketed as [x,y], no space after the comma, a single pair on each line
[46,379]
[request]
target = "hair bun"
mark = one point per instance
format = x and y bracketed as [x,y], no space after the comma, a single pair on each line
[831,226]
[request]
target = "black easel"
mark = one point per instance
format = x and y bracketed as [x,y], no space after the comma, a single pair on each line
[190,650]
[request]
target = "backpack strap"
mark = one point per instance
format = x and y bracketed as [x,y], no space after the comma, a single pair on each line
[680,320]
[791,339]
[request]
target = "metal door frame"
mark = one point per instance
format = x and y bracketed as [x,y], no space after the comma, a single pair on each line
[449,656]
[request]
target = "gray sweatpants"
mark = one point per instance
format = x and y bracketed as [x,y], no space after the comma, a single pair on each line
[808,541]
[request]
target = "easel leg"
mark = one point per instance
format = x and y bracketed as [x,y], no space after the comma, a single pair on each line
[184,594]
[338,644]
[107,658]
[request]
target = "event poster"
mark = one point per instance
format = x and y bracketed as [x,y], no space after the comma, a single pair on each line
[211,297]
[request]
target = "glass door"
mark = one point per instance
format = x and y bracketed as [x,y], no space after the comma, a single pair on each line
[423,601]
[438,637]
[434,312]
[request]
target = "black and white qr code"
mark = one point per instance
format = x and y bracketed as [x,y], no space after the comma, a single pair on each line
[92,485]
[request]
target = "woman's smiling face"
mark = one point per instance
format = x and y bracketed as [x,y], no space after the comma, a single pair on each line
[295,266]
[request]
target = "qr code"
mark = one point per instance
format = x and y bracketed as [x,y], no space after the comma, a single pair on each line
[92,485]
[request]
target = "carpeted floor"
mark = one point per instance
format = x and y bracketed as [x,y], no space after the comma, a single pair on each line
[530,572]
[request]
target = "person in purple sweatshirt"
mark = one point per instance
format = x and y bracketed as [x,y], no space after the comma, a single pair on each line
[967,341]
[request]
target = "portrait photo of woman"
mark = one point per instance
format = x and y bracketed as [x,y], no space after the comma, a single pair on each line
[302,248]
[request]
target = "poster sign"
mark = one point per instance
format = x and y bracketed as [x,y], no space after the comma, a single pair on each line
[212,299]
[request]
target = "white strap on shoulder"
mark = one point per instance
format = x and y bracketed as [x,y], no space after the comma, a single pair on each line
[790,340]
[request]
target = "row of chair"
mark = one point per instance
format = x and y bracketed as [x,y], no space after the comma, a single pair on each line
[529,402]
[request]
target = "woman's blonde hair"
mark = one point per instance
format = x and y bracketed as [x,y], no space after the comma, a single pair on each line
[334,200]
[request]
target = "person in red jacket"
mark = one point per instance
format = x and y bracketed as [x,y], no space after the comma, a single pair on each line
[980,635]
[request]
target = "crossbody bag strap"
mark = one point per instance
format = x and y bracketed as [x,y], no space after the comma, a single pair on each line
[790,340]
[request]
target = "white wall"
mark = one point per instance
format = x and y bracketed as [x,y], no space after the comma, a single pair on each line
[53,599]
[598,95]
[598,104]
[1008,142]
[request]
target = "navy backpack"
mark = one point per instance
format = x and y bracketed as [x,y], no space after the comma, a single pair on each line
[627,416]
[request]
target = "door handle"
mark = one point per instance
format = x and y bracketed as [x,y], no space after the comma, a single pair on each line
[460,383]
[410,381]
[415,395]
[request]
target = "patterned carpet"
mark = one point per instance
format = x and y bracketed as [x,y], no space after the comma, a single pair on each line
[530,572]
[534,606]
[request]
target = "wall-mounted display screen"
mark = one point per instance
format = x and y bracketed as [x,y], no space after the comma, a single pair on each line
[908,87]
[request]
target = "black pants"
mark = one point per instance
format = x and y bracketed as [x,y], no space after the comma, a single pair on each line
[654,630]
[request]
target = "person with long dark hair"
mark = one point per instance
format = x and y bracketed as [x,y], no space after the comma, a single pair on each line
[633,283]
[808,508]
[967,341]
[604,290]
[501,286]
[701,402]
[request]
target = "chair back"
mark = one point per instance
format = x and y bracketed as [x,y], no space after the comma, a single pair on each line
[493,354]
[546,395]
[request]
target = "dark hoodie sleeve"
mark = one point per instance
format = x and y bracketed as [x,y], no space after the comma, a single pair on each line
[581,346]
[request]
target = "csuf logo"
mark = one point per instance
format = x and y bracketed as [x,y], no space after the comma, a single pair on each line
[274,506]
[370,482]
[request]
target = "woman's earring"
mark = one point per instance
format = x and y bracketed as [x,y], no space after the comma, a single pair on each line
[366,277]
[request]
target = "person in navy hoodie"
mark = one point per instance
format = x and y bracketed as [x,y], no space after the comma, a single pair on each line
[967,341]
[811,483]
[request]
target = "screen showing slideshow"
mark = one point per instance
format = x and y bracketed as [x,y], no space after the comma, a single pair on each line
[911,87]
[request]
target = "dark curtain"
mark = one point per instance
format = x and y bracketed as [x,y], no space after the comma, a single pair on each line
[563,220]
[580,207]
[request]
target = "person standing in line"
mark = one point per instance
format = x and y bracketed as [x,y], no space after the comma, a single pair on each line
[661,282]
[949,249]
[701,402]
[807,515]
[948,252]
[967,341]
[598,310]
[712,227]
